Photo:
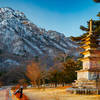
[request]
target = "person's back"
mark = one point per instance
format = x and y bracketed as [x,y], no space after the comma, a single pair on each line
[21,91]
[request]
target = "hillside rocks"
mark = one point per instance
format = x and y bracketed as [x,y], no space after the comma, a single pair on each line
[22,40]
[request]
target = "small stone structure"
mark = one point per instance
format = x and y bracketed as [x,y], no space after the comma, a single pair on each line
[88,78]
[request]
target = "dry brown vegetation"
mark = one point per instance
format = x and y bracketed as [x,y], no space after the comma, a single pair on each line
[33,73]
[56,94]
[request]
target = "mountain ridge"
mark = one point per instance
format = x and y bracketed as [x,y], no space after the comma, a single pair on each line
[19,37]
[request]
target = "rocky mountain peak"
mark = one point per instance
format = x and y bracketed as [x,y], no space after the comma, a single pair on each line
[20,38]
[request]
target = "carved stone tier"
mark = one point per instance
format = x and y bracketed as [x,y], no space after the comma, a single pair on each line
[88,84]
[88,74]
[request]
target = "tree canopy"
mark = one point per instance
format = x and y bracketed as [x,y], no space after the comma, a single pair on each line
[96,1]
[95,27]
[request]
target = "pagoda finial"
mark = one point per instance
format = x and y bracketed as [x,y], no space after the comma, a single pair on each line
[91,22]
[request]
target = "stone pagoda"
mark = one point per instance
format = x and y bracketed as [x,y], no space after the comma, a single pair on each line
[89,76]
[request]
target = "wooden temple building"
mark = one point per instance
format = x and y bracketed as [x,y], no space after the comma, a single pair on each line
[89,76]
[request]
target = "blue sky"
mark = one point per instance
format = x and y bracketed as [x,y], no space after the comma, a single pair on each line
[64,16]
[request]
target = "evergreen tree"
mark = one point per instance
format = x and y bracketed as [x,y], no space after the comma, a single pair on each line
[64,72]
[98,15]
[96,1]
[95,27]
[0,51]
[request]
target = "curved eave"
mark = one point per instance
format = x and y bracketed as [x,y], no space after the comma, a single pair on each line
[88,36]
[92,50]
[89,42]
[89,70]
[90,58]
[84,52]
[85,46]
[91,46]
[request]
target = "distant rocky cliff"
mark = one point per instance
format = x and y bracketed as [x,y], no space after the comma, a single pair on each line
[21,40]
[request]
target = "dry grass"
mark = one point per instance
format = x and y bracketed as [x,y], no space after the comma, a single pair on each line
[56,94]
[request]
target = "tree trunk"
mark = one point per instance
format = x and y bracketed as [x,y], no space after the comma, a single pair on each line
[43,84]
[38,83]
[55,84]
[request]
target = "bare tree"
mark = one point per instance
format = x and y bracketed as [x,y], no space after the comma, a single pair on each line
[33,73]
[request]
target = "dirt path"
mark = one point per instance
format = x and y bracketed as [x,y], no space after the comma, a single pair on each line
[4,94]
[56,94]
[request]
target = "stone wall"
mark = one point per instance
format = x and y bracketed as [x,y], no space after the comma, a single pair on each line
[82,75]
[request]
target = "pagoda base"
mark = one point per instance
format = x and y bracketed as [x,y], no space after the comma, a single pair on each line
[83,91]
[89,79]
[87,84]
[85,87]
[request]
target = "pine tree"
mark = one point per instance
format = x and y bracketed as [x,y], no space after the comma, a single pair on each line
[96,1]
[95,27]
[98,15]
